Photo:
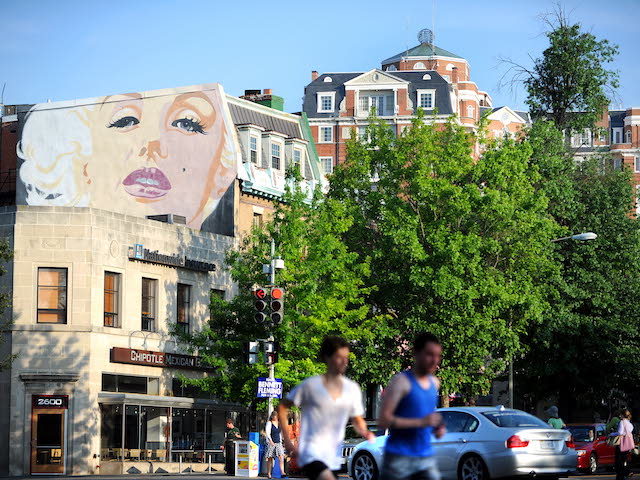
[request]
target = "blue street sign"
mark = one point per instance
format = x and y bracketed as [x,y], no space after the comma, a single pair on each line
[269,387]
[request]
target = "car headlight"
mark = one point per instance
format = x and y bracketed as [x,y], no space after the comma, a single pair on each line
[581,452]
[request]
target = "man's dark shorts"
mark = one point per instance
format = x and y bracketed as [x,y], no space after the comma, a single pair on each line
[314,469]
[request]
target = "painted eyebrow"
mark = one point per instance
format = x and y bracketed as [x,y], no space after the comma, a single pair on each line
[110,98]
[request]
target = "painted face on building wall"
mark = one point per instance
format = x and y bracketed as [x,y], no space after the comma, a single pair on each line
[144,153]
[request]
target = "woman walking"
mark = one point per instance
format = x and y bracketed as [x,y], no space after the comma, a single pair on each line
[274,444]
[625,429]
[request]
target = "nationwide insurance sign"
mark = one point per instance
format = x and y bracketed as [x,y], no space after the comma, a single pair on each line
[269,387]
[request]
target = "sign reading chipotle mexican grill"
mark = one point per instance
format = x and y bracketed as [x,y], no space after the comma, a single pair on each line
[157,359]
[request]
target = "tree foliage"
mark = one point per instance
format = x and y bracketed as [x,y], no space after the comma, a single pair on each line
[324,295]
[458,246]
[586,346]
[570,76]
[6,254]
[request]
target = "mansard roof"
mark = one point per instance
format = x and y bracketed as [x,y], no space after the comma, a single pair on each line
[422,50]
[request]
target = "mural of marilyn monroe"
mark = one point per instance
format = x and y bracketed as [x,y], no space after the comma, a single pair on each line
[166,151]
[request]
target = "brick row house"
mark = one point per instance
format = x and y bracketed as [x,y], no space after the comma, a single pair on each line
[425,76]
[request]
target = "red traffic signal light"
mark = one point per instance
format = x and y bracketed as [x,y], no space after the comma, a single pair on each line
[260,293]
[277,293]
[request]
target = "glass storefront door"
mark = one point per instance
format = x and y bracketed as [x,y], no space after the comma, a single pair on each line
[47,441]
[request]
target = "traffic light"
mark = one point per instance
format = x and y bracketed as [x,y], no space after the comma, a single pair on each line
[277,305]
[260,305]
[251,352]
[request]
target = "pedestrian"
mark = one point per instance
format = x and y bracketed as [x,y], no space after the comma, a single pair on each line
[612,425]
[274,444]
[327,402]
[625,445]
[233,433]
[408,411]
[554,420]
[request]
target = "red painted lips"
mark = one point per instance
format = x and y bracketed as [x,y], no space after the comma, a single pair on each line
[147,183]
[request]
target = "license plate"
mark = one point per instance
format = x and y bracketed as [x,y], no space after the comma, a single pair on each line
[547,444]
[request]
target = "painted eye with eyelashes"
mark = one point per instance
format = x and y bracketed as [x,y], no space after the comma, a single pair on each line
[124,122]
[189,125]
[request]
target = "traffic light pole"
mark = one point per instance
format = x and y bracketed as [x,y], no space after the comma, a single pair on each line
[272,273]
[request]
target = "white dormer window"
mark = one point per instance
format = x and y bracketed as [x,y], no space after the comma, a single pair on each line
[419,66]
[325,134]
[275,156]
[253,149]
[326,101]
[297,156]
[426,76]
[391,68]
[328,80]
[426,99]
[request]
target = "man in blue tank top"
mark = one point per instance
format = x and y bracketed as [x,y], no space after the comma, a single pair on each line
[408,410]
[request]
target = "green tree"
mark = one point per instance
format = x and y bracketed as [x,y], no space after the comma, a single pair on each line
[458,245]
[586,346]
[6,254]
[570,76]
[324,292]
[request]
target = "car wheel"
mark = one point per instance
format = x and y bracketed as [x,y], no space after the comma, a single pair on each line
[593,463]
[364,467]
[472,468]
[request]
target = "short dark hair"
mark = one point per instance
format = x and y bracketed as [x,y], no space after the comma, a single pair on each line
[422,339]
[330,345]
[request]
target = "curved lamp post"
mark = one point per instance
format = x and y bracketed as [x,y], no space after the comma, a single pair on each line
[581,237]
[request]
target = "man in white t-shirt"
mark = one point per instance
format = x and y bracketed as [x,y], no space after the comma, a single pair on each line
[327,402]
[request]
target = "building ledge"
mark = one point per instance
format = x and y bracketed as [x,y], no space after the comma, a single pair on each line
[66,377]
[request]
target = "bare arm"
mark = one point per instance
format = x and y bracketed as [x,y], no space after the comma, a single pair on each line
[361,427]
[397,389]
[283,414]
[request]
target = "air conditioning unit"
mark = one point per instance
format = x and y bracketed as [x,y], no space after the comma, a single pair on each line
[169,218]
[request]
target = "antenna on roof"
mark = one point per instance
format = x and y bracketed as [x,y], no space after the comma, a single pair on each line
[433,23]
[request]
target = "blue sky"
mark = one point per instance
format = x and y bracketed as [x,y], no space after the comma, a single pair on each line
[61,50]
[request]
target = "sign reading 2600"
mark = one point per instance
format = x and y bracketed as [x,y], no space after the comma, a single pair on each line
[50,401]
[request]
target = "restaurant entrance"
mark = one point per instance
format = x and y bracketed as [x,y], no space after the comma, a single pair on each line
[48,419]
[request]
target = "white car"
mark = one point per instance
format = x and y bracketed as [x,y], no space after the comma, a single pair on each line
[483,443]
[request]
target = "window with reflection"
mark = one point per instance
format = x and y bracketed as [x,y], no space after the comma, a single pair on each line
[154,432]
[111,299]
[52,295]
[111,432]
[187,429]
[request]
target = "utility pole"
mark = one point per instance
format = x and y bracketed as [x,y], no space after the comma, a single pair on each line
[272,280]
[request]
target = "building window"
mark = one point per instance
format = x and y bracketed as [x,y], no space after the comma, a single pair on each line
[130,384]
[257,220]
[253,149]
[470,111]
[636,164]
[617,135]
[327,165]
[426,99]
[628,136]
[419,66]
[325,102]
[111,299]
[326,134]
[275,156]
[184,307]
[368,102]
[617,164]
[52,295]
[149,288]
[297,156]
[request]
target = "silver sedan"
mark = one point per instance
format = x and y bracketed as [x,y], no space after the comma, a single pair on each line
[483,443]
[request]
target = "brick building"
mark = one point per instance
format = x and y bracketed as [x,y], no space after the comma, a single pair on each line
[425,76]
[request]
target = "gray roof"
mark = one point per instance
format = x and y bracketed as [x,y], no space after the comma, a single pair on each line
[422,50]
[243,116]
[523,115]
[437,82]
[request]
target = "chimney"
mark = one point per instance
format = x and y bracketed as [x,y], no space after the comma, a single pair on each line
[264,97]
[314,75]
[454,75]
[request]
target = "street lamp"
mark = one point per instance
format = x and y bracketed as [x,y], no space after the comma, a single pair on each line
[581,237]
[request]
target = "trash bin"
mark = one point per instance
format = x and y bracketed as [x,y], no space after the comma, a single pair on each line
[245,461]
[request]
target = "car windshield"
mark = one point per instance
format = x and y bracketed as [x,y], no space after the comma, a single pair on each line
[351,432]
[511,419]
[582,434]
